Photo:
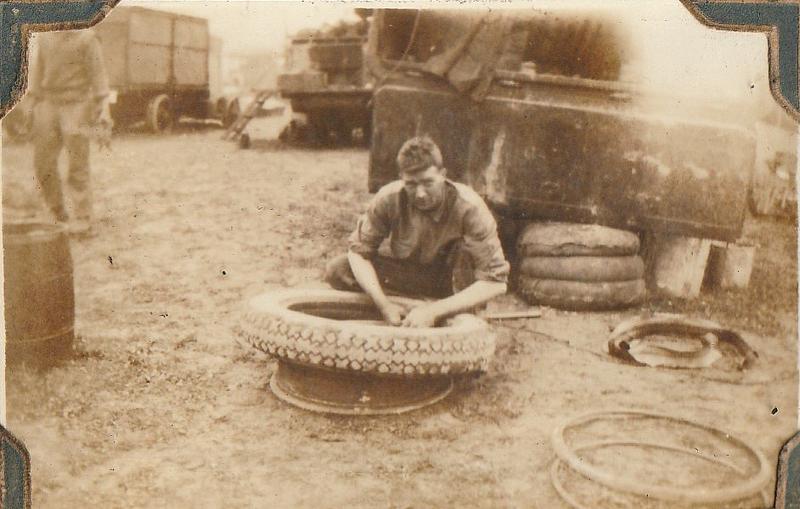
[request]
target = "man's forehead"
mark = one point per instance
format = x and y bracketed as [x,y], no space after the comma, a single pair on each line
[415,174]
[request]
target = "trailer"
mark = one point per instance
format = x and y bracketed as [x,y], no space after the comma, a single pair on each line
[159,66]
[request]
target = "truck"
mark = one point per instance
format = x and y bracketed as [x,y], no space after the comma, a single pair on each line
[161,66]
[533,111]
[327,85]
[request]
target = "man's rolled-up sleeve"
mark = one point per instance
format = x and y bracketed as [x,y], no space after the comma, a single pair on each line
[483,245]
[372,227]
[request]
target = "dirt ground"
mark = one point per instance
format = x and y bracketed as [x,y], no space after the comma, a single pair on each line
[164,408]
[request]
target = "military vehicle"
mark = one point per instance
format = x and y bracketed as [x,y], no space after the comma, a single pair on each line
[533,110]
[326,83]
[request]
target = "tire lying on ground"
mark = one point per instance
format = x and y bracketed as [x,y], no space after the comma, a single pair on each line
[581,295]
[339,330]
[583,268]
[570,239]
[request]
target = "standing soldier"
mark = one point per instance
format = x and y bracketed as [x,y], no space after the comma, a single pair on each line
[69,88]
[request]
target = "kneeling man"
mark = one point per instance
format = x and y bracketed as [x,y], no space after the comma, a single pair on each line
[442,243]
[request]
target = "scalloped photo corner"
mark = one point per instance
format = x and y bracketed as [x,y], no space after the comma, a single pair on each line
[788,488]
[15,472]
[19,20]
[315,254]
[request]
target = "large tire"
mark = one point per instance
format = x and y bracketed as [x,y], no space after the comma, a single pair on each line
[160,117]
[570,239]
[292,326]
[583,268]
[582,296]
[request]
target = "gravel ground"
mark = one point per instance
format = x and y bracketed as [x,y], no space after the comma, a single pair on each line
[163,408]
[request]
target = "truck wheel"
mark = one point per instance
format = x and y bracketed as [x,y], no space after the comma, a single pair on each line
[582,296]
[570,239]
[160,117]
[583,268]
[342,330]
[231,114]
[244,141]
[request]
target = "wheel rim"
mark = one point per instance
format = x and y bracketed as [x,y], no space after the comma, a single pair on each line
[337,392]
[163,116]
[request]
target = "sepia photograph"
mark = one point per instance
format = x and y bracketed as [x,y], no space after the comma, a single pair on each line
[534,254]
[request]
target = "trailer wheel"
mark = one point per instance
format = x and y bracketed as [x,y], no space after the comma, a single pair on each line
[160,117]
[231,114]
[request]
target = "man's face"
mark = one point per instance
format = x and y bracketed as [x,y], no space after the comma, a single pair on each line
[425,187]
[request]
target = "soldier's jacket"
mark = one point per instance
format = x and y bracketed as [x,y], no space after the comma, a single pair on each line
[68,67]
[422,237]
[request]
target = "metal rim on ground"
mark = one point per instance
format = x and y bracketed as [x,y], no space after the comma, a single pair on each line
[572,501]
[742,490]
[640,329]
[335,392]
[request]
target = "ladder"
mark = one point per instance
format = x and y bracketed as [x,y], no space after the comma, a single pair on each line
[236,128]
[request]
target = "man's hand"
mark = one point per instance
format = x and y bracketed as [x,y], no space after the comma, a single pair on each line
[105,116]
[100,111]
[421,316]
[393,313]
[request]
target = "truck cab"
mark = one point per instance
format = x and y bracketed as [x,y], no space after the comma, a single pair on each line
[532,109]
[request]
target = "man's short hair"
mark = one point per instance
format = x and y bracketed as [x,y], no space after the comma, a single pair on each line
[418,153]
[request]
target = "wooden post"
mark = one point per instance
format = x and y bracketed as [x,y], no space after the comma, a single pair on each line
[730,265]
[679,264]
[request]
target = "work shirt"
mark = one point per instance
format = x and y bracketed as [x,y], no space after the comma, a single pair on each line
[68,67]
[424,236]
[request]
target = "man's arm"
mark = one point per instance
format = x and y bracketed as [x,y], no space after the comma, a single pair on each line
[373,227]
[367,278]
[97,69]
[474,295]
[101,109]
[491,271]
[36,74]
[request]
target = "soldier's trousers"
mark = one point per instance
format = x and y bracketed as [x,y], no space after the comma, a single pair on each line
[449,274]
[57,126]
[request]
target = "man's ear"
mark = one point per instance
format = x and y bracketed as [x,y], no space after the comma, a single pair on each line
[443,171]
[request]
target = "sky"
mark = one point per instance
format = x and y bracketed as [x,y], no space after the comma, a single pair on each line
[675,50]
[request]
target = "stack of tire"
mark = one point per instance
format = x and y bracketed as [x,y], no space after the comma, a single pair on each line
[579,267]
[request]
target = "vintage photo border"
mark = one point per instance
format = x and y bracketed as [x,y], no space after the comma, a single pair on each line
[774,18]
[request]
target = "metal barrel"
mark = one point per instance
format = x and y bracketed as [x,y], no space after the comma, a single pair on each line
[39,294]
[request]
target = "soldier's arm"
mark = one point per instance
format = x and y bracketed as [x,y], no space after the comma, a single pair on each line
[373,227]
[97,69]
[470,297]
[491,272]
[367,278]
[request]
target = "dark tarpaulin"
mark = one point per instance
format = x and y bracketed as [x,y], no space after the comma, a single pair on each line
[467,47]
[468,62]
